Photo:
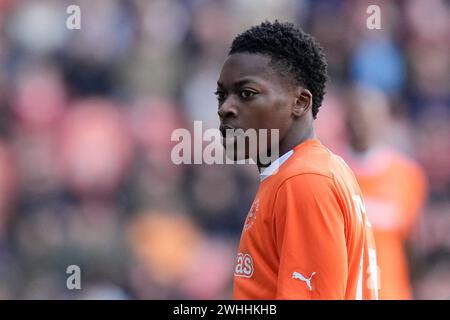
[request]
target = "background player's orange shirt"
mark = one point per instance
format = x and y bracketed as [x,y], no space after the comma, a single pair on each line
[306,235]
[394,189]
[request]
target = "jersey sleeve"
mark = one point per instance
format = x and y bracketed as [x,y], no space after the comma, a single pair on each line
[310,239]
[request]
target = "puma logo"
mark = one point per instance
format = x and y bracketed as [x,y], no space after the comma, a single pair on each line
[299,276]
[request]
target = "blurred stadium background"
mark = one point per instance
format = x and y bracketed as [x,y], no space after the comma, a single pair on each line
[85,123]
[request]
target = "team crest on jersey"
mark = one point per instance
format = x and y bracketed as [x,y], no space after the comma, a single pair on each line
[244,265]
[251,216]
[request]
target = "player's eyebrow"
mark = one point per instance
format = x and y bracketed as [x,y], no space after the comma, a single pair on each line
[240,82]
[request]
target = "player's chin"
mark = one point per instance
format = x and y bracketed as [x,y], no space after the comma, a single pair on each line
[235,152]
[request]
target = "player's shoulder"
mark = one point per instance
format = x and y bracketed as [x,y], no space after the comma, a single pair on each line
[406,165]
[313,162]
[406,161]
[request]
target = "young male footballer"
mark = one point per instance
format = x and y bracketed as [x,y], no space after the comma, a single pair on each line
[306,235]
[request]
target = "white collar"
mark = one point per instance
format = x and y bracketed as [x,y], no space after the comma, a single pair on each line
[270,170]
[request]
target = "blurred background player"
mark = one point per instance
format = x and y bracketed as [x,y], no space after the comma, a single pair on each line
[393,186]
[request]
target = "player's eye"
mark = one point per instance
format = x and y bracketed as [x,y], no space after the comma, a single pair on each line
[220,95]
[246,94]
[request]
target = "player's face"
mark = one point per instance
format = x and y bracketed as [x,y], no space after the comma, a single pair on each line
[365,119]
[357,124]
[252,95]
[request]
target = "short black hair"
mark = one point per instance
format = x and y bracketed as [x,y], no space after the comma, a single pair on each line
[296,52]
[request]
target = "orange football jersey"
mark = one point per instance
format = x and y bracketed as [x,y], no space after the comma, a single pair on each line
[306,235]
[394,189]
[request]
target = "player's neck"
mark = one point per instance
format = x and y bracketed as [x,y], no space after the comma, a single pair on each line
[292,139]
[297,137]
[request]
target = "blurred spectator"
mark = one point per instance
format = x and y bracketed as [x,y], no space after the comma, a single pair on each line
[8,187]
[174,254]
[96,147]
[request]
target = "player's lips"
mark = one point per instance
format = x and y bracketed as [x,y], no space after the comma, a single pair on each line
[224,127]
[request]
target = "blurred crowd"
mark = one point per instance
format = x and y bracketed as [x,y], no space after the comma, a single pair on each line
[86,118]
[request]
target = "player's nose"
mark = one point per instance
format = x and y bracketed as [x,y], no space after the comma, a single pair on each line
[228,109]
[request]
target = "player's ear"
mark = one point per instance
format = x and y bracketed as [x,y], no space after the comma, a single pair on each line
[302,102]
